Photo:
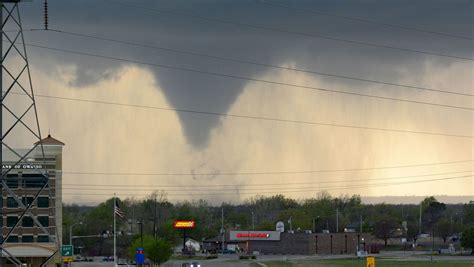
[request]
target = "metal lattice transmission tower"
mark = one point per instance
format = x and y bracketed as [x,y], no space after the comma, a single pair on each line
[19,126]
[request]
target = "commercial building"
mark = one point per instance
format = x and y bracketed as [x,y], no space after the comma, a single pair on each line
[29,242]
[298,243]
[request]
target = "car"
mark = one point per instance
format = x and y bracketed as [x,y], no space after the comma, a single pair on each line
[109,258]
[229,251]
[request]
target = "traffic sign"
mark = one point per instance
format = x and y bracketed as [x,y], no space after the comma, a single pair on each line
[140,256]
[66,250]
[67,259]
[370,261]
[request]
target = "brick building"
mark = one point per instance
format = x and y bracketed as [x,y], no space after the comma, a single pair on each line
[29,242]
[274,242]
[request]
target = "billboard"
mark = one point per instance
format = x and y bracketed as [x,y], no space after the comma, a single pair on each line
[254,235]
[180,224]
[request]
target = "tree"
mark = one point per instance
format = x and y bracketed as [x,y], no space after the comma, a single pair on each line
[158,251]
[432,211]
[298,219]
[467,239]
[443,229]
[384,227]
[413,230]
[468,211]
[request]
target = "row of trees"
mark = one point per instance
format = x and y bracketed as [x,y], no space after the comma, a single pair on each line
[322,212]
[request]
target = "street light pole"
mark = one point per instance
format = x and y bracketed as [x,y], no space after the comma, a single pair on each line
[70,232]
[141,232]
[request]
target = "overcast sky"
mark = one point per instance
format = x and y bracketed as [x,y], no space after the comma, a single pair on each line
[105,138]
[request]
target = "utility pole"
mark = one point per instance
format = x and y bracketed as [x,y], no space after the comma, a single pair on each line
[432,241]
[154,220]
[419,231]
[360,223]
[253,222]
[451,228]
[140,223]
[337,220]
[222,229]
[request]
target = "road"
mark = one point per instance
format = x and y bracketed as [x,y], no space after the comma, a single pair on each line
[233,260]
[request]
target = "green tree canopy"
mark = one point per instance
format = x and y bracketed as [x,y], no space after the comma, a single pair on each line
[433,210]
[467,239]
[468,210]
[443,229]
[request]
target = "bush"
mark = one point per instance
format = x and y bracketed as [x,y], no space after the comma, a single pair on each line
[209,257]
[247,257]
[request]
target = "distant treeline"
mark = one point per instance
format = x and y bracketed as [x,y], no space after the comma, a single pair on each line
[322,212]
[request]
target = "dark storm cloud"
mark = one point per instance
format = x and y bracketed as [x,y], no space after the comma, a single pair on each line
[217,94]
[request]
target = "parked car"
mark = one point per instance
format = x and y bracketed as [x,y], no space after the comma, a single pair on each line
[108,258]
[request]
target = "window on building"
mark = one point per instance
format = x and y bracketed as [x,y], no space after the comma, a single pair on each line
[12,239]
[11,202]
[44,220]
[43,202]
[33,180]
[27,200]
[27,239]
[12,182]
[43,239]
[27,221]
[11,221]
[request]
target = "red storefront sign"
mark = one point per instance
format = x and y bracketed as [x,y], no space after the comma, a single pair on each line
[252,235]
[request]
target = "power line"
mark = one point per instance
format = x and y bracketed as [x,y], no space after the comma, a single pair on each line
[293,191]
[313,35]
[259,173]
[312,11]
[246,116]
[236,60]
[248,78]
[135,187]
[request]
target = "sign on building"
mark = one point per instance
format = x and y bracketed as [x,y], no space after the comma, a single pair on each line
[254,235]
[184,224]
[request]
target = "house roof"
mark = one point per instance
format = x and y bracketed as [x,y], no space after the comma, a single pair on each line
[50,141]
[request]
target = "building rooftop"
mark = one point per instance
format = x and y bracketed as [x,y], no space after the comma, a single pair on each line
[50,141]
